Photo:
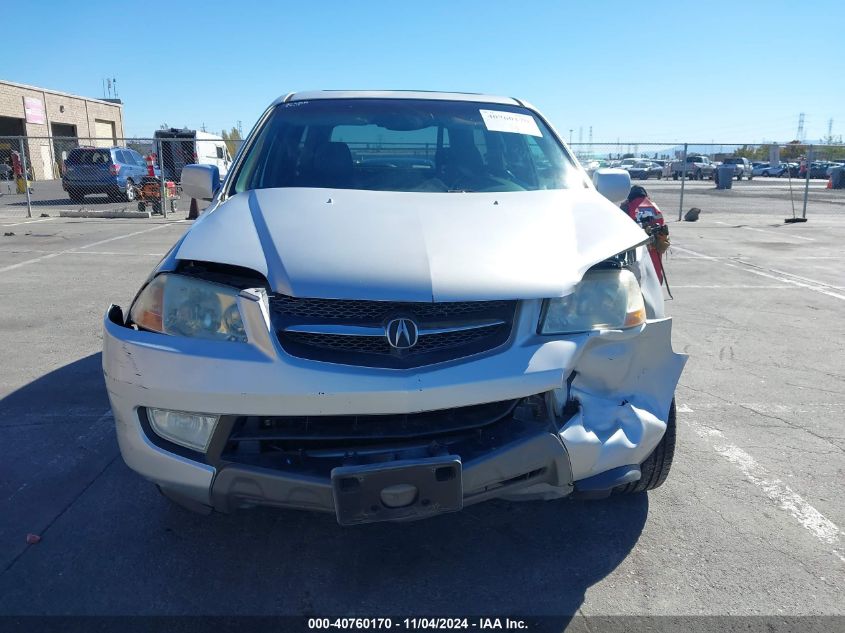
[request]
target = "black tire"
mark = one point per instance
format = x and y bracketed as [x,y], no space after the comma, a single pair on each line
[675,176]
[765,174]
[698,175]
[76,196]
[156,207]
[655,469]
[131,194]
[738,177]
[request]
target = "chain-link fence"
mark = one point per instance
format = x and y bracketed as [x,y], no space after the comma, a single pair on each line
[780,179]
[59,175]
[63,175]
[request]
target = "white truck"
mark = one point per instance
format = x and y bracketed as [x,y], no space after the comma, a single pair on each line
[742,167]
[187,147]
[697,168]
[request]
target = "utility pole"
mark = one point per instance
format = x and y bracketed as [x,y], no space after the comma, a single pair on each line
[800,135]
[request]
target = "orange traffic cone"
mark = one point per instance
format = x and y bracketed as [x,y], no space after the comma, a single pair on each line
[829,183]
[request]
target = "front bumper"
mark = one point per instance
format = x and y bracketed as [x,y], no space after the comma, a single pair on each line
[605,401]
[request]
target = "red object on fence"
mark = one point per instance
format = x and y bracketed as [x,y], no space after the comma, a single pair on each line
[17,165]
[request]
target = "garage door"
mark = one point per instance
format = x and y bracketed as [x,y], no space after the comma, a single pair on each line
[104,133]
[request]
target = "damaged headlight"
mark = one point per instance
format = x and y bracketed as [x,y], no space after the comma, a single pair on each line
[603,299]
[184,306]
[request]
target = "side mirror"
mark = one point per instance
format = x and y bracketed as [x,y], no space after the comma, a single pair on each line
[613,184]
[201,181]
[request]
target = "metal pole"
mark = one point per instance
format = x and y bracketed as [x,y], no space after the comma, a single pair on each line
[807,181]
[162,179]
[25,179]
[683,182]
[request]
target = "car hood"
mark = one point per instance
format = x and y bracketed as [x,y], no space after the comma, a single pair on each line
[404,246]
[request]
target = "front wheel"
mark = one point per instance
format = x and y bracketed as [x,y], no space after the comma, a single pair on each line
[655,469]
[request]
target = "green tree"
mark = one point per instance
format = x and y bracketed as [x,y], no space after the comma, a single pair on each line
[233,140]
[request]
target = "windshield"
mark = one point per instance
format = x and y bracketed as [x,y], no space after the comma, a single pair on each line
[405,145]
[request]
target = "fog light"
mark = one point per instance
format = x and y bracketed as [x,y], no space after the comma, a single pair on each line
[191,430]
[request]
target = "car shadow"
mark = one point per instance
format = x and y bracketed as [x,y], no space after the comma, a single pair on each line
[497,558]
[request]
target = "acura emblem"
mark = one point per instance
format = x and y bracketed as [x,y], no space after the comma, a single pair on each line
[401,333]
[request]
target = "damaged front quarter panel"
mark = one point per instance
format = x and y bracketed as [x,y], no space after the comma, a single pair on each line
[623,383]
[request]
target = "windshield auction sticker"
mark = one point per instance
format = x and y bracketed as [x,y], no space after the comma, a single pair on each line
[498,121]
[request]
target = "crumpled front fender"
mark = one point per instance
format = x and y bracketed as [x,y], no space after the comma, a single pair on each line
[624,383]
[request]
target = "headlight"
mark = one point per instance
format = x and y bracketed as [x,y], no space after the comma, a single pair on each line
[184,306]
[603,299]
[192,430]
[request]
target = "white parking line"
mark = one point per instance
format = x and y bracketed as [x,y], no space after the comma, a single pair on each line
[732,287]
[27,222]
[695,254]
[820,287]
[79,248]
[777,491]
[807,283]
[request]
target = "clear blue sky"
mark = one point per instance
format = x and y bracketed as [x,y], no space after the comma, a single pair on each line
[695,71]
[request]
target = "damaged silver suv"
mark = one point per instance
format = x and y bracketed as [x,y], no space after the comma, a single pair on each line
[397,304]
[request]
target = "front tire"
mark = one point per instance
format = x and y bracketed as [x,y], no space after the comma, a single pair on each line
[655,469]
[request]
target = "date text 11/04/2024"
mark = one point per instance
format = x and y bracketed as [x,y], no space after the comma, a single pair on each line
[431,623]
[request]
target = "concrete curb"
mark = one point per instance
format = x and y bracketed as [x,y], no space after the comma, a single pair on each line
[90,213]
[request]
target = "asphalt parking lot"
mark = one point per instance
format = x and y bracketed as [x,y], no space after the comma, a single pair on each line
[750,521]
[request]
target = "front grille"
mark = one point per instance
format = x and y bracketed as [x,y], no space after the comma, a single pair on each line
[355,310]
[491,323]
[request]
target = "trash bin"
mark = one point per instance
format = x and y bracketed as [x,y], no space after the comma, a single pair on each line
[724,176]
[837,178]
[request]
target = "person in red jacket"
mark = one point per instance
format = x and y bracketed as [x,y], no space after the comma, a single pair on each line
[644,212]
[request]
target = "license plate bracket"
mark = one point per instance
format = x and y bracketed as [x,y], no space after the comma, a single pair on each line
[404,489]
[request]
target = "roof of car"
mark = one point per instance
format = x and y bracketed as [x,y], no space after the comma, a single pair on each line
[311,95]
